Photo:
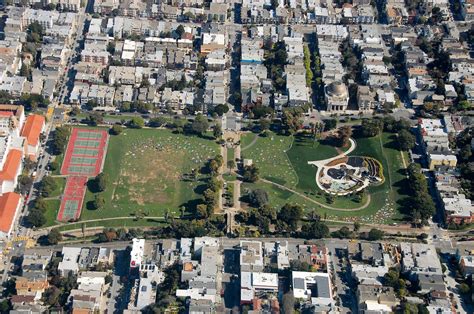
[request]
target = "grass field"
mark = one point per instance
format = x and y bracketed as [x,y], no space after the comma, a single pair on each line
[284,160]
[59,159]
[383,205]
[269,154]
[60,184]
[230,154]
[385,196]
[144,170]
[51,212]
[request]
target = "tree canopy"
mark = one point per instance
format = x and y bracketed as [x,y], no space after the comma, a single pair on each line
[200,125]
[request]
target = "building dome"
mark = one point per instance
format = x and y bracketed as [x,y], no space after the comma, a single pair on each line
[337,89]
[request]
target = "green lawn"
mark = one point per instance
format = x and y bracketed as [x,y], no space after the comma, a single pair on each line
[59,159]
[60,184]
[51,212]
[269,155]
[279,197]
[386,195]
[144,169]
[229,177]
[246,139]
[383,206]
[284,160]
[304,149]
[230,154]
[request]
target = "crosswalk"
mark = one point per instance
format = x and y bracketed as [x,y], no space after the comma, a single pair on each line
[49,114]
[21,238]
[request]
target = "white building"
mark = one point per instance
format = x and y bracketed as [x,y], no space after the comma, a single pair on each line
[253,283]
[316,287]
[136,254]
[69,264]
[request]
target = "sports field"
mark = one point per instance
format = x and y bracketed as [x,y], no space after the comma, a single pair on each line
[146,171]
[84,157]
[85,152]
[72,199]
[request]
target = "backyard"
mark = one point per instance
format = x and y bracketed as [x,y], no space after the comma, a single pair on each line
[145,170]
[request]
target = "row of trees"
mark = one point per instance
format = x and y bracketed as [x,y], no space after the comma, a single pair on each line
[213,186]
[36,215]
[275,61]
[419,206]
[373,127]
[285,220]
[466,161]
[120,234]
[289,220]
[98,185]
[307,65]
[60,139]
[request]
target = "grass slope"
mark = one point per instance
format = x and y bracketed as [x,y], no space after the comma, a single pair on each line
[51,212]
[60,184]
[269,154]
[383,206]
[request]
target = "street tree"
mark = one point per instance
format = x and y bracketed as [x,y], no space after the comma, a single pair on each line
[406,140]
[54,236]
[200,125]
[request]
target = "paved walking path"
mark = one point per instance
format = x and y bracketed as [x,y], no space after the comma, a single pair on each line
[316,202]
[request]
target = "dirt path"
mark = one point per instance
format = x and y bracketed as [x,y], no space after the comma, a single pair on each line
[223,150]
[52,198]
[316,202]
[237,195]
[46,229]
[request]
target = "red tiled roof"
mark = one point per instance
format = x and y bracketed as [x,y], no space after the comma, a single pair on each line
[32,129]
[22,299]
[10,168]
[8,205]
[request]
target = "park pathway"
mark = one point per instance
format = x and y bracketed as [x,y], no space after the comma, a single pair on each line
[237,184]
[233,137]
[316,202]
[251,143]
[223,149]
[62,224]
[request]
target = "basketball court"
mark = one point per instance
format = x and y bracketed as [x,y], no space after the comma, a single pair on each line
[84,158]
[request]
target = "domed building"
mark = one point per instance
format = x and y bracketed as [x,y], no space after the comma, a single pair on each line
[337,96]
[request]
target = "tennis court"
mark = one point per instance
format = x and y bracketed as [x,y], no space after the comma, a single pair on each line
[85,152]
[71,202]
